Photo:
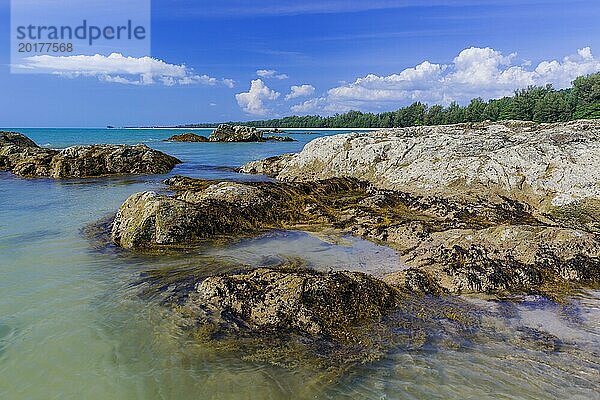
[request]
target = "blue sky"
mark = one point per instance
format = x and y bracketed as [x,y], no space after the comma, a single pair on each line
[216,60]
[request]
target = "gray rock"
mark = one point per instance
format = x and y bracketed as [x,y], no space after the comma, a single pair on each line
[23,157]
[187,137]
[230,133]
[553,167]
[271,166]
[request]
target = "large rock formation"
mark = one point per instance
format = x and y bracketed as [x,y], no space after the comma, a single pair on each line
[230,133]
[206,209]
[552,167]
[21,156]
[494,208]
[289,314]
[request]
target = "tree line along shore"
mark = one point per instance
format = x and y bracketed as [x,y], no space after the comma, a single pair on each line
[542,104]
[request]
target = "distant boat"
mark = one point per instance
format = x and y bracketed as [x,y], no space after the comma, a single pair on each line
[110,127]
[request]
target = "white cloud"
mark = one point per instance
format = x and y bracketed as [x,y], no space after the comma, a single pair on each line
[475,72]
[270,73]
[117,68]
[230,83]
[300,91]
[309,105]
[252,102]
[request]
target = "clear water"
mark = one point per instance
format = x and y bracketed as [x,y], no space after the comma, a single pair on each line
[72,325]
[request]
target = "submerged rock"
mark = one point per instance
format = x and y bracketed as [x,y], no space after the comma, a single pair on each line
[187,137]
[293,300]
[502,258]
[290,315]
[21,156]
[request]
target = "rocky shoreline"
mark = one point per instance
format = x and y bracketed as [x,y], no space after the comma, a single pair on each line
[23,157]
[492,208]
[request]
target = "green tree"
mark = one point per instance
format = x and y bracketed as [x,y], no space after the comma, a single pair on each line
[586,91]
[475,110]
[554,107]
[455,114]
[435,115]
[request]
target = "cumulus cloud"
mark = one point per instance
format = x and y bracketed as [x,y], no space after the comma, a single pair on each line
[117,68]
[300,91]
[270,73]
[253,101]
[475,72]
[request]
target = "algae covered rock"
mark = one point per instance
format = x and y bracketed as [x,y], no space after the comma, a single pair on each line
[288,314]
[151,217]
[15,139]
[506,258]
[23,157]
[552,167]
[293,300]
[204,209]
[448,246]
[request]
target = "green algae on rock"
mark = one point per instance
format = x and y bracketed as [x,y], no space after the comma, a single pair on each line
[289,314]
[21,156]
[449,246]
[550,167]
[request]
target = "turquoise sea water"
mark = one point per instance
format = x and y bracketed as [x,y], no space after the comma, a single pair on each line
[72,325]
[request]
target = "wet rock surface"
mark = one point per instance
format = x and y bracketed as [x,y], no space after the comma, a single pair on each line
[21,156]
[450,247]
[288,314]
[293,299]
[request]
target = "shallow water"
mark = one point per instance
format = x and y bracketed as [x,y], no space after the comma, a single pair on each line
[73,326]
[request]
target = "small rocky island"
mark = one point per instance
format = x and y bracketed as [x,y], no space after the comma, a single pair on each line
[188,137]
[230,133]
[489,208]
[23,157]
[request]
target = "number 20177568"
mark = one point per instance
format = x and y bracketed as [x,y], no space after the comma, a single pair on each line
[48,47]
